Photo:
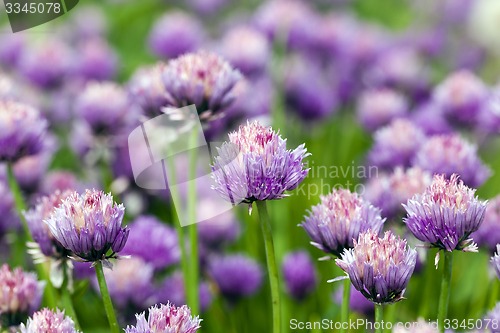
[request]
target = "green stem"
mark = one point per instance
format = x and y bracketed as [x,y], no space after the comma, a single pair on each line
[271,264]
[444,297]
[344,311]
[494,293]
[379,318]
[192,296]
[106,299]
[65,295]
[21,239]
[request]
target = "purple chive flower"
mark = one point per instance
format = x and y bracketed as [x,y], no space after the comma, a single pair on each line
[489,117]
[153,241]
[377,108]
[247,49]
[396,144]
[488,234]
[20,295]
[175,34]
[253,100]
[96,60]
[13,46]
[58,180]
[165,319]
[147,90]
[255,165]
[460,96]
[445,214]
[337,221]
[380,268]
[390,191]
[105,107]
[236,275]
[449,154]
[218,231]
[33,63]
[299,274]
[89,225]
[172,290]
[130,282]
[35,217]
[429,117]
[22,129]
[203,79]
[495,261]
[48,321]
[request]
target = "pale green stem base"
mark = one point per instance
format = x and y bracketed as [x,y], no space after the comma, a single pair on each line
[271,264]
[65,297]
[106,299]
[379,318]
[444,297]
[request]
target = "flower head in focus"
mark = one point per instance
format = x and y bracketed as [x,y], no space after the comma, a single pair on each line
[48,321]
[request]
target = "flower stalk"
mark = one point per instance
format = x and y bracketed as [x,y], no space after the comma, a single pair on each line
[106,299]
[444,296]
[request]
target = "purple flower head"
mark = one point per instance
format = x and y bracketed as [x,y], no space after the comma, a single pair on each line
[172,291]
[337,221]
[495,261]
[203,79]
[380,268]
[105,107]
[130,282]
[489,117]
[58,180]
[429,117]
[445,214]
[460,96]
[13,46]
[40,231]
[390,191]
[357,302]
[255,165]
[89,225]
[48,321]
[396,144]
[449,154]
[308,91]
[247,49]
[254,99]
[20,295]
[90,22]
[153,241]
[96,60]
[236,275]
[166,319]
[147,90]
[33,63]
[22,129]
[175,34]
[218,231]
[299,274]
[9,218]
[377,108]
[488,234]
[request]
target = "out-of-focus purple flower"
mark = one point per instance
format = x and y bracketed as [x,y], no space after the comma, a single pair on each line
[445,214]
[207,7]
[390,191]
[460,96]
[172,291]
[488,234]
[299,274]
[495,261]
[263,170]
[449,154]
[489,117]
[48,321]
[33,63]
[153,241]
[380,268]
[7,87]
[308,91]
[175,34]
[40,232]
[20,295]
[7,212]
[22,129]
[396,144]
[492,317]
[253,100]
[203,79]
[337,221]
[236,275]
[429,117]
[376,108]
[218,231]
[147,90]
[90,22]
[13,46]
[130,282]
[89,225]
[58,180]
[357,302]
[96,60]
[105,107]
[246,49]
